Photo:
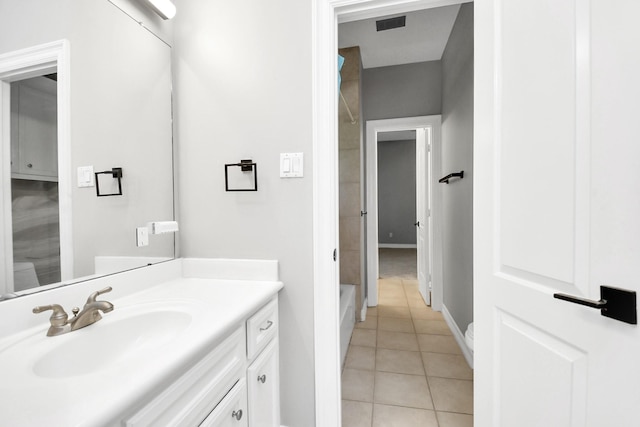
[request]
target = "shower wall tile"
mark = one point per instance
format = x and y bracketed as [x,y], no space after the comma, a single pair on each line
[349,164]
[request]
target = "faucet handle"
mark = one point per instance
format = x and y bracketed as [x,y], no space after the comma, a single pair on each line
[58,317]
[93,296]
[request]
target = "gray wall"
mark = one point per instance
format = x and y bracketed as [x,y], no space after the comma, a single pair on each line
[243,90]
[397,192]
[402,90]
[457,154]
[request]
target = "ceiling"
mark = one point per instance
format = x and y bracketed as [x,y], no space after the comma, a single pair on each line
[422,39]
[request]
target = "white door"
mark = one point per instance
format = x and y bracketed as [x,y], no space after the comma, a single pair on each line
[556,210]
[422,218]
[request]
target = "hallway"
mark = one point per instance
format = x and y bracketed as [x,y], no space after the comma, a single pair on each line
[404,367]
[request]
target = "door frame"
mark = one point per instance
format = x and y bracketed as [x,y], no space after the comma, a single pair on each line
[19,65]
[373,127]
[325,17]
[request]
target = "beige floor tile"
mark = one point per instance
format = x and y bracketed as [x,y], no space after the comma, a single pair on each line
[396,416]
[449,419]
[398,361]
[390,281]
[451,395]
[438,344]
[372,311]
[394,324]
[371,322]
[397,341]
[357,385]
[447,366]
[410,283]
[437,327]
[356,414]
[359,357]
[396,301]
[402,390]
[392,292]
[425,313]
[364,337]
[393,311]
[416,301]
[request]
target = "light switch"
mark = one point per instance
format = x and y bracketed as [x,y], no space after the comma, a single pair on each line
[86,178]
[291,165]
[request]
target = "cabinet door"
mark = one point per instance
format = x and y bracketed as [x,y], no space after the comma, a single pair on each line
[263,377]
[36,129]
[232,411]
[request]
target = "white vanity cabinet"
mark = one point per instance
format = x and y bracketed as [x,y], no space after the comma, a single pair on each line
[235,385]
[263,378]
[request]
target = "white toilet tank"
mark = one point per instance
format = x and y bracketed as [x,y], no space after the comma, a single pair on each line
[468,336]
[24,276]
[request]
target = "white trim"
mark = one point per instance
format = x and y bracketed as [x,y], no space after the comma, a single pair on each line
[363,311]
[458,335]
[19,65]
[397,245]
[326,329]
[373,127]
[325,190]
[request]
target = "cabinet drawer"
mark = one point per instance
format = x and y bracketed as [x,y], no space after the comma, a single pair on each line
[261,328]
[191,398]
[232,411]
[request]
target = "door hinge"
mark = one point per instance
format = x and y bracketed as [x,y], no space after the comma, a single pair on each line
[335,254]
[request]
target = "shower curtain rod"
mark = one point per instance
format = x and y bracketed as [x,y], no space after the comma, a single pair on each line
[353,121]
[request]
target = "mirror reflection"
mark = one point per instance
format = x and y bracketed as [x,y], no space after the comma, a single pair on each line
[34,182]
[114,113]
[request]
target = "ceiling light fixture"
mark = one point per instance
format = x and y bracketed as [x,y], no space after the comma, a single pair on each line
[164,8]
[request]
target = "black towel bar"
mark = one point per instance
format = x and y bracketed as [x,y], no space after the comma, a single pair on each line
[452,175]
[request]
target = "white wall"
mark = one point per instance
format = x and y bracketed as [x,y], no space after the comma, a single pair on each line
[457,155]
[243,91]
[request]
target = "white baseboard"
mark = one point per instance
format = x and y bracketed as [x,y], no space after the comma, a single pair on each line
[397,245]
[363,310]
[458,335]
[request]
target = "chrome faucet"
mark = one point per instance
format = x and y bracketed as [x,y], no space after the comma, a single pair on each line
[60,323]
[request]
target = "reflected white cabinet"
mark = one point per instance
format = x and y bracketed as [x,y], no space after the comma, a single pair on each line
[34,129]
[264,388]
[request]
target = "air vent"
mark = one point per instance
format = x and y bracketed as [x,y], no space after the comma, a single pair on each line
[391,23]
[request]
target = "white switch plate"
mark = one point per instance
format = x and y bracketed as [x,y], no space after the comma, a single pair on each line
[86,178]
[142,236]
[291,165]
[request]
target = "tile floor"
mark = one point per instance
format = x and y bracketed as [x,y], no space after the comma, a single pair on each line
[404,367]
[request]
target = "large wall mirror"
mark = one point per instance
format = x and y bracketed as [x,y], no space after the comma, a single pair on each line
[84,88]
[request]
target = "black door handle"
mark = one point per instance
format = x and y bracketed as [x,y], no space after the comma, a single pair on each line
[417,224]
[616,303]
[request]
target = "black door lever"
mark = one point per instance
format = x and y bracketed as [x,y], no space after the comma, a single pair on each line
[616,303]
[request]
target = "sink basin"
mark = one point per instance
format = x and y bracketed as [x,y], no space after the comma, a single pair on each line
[123,334]
[105,342]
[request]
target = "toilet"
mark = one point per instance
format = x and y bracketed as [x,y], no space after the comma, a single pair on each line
[24,276]
[468,336]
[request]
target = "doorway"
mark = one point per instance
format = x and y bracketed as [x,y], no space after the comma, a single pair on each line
[29,169]
[327,15]
[428,221]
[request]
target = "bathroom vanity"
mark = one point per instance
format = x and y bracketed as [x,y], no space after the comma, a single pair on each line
[189,342]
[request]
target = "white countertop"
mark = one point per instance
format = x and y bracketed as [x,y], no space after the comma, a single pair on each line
[219,306]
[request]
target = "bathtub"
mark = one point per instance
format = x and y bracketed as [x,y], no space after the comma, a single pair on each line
[347,317]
